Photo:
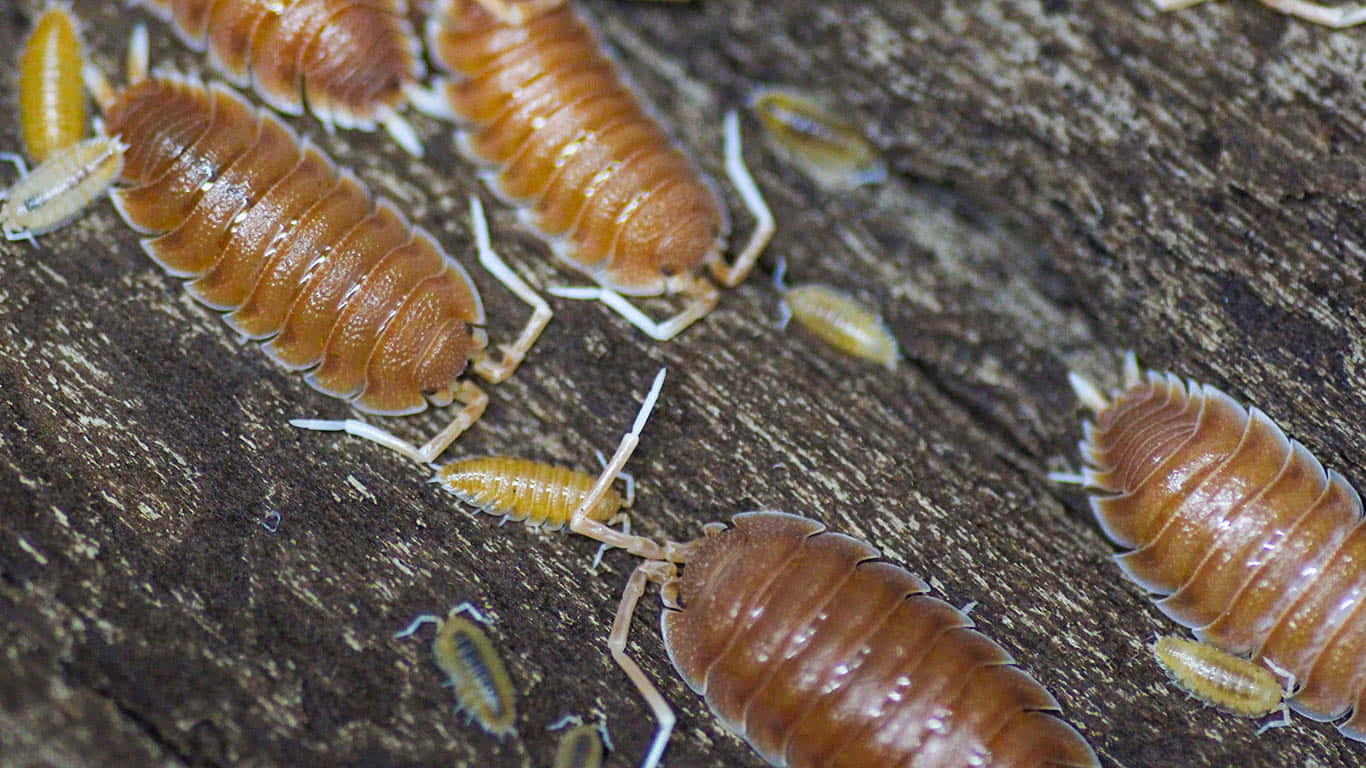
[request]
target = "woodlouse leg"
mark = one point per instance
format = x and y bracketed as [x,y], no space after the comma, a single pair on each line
[540,314]
[1337,17]
[19,163]
[402,133]
[1087,392]
[581,524]
[784,309]
[626,477]
[660,573]
[1175,5]
[733,274]
[702,295]
[466,392]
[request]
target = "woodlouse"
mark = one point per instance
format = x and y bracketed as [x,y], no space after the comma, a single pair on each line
[582,745]
[301,255]
[838,319]
[592,172]
[1251,542]
[828,148]
[809,646]
[51,194]
[351,63]
[474,670]
[1337,17]
[538,493]
[1221,679]
[52,112]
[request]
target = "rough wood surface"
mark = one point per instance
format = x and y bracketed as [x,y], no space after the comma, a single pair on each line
[1068,179]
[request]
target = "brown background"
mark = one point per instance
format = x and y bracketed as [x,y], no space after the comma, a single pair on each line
[1068,179]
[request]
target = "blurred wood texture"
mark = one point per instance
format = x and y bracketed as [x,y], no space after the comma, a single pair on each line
[1068,179]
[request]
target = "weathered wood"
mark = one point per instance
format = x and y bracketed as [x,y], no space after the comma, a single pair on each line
[1068,179]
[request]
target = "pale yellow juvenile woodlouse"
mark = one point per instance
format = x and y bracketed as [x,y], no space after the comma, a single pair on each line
[51,194]
[582,745]
[829,149]
[1222,680]
[837,319]
[52,114]
[538,493]
[483,688]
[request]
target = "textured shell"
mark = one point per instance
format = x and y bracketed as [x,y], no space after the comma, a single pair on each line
[810,648]
[521,489]
[266,227]
[1219,678]
[52,112]
[843,323]
[579,747]
[350,61]
[598,176]
[54,192]
[1257,548]
[476,674]
[829,149]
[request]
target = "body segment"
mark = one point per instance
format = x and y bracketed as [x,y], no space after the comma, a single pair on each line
[1246,537]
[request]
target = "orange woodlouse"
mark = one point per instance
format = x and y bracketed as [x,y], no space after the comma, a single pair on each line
[538,493]
[340,283]
[806,644]
[1251,542]
[483,688]
[51,102]
[1337,17]
[350,62]
[592,172]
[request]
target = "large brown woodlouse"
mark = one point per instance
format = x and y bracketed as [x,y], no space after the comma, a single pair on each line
[301,255]
[1251,542]
[593,173]
[350,62]
[816,651]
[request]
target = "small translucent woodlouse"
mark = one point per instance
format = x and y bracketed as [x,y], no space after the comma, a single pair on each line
[52,112]
[838,319]
[1221,679]
[351,63]
[590,170]
[483,688]
[582,745]
[53,193]
[1335,16]
[808,645]
[1251,542]
[541,494]
[826,147]
[301,255]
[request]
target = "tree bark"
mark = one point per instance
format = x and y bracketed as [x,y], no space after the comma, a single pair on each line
[1067,180]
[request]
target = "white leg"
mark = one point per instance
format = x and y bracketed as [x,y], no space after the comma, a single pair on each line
[1087,392]
[635,587]
[18,161]
[1133,375]
[402,133]
[425,618]
[475,402]
[733,274]
[627,478]
[1174,5]
[602,548]
[271,521]
[139,55]
[704,298]
[1337,17]
[430,101]
[540,311]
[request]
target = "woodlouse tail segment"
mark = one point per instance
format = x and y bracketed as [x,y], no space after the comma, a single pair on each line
[540,314]
[1332,16]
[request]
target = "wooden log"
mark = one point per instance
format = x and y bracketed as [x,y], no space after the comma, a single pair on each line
[1068,179]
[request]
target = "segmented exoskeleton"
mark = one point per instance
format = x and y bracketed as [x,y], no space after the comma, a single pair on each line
[593,173]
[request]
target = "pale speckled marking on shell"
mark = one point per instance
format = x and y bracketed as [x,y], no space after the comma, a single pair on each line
[1248,539]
